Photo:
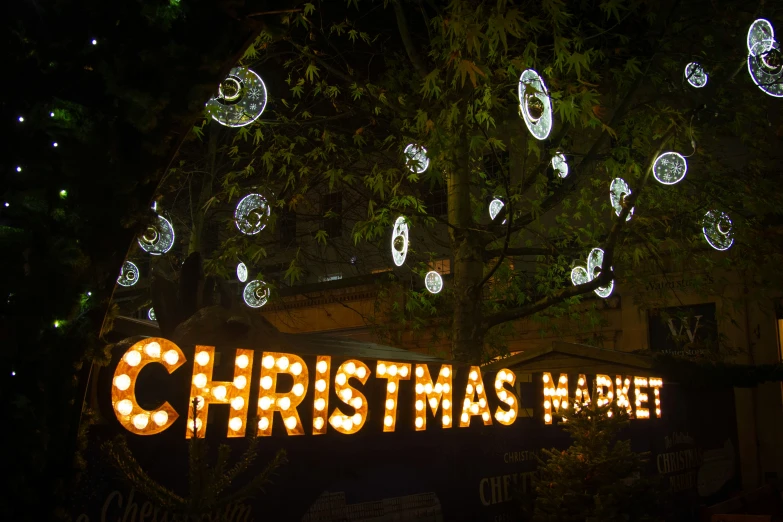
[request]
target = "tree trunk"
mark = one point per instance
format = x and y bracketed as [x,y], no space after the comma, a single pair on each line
[467,336]
[195,244]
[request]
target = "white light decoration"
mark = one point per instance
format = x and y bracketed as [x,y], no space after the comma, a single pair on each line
[765,65]
[560,165]
[416,158]
[241,98]
[670,168]
[251,214]
[495,206]
[129,274]
[581,275]
[399,243]
[255,294]
[535,105]
[717,230]
[158,238]
[433,282]
[618,190]
[151,315]
[242,272]
[695,75]
[760,31]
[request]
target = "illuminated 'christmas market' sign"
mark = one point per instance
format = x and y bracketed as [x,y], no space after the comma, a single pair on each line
[352,412]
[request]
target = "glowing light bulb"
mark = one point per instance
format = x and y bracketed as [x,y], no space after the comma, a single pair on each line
[320,404]
[419,422]
[200,380]
[419,405]
[141,420]
[202,358]
[290,423]
[469,388]
[547,418]
[479,388]
[419,388]
[235,423]
[502,395]
[347,424]
[318,423]
[393,370]
[356,402]
[474,409]
[485,416]
[133,358]
[153,350]
[381,369]
[473,375]
[298,389]
[268,362]
[21,119]
[124,407]
[403,371]
[240,382]
[389,404]
[237,403]
[219,392]
[433,402]
[54,144]
[546,378]
[122,382]
[446,388]
[502,375]
[464,417]
[296,368]
[361,372]
[346,394]
[428,388]
[320,385]
[266,382]
[284,403]
[482,402]
[357,418]
[341,379]
[94,41]
[282,363]
[350,368]
[171,357]
[242,361]
[18,169]
[263,424]
[419,371]
[321,366]
[446,404]
[160,417]
[388,420]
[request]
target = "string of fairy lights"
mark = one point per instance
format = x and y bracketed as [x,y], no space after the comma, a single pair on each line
[242,97]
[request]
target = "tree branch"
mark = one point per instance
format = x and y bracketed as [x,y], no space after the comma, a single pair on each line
[410,48]
[520,251]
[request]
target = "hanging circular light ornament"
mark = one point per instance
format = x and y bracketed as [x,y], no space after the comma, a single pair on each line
[417,159]
[717,230]
[495,206]
[760,31]
[241,272]
[129,274]
[399,243]
[158,238]
[255,294]
[433,282]
[595,261]
[151,315]
[695,75]
[251,214]
[766,67]
[241,98]
[579,275]
[560,165]
[534,104]
[619,190]
[670,168]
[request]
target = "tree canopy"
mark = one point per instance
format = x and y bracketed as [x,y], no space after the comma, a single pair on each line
[350,87]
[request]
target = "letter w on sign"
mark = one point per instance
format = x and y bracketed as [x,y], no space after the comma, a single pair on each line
[685,325]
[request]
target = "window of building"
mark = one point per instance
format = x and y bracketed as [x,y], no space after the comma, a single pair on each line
[332,203]
[441,266]
[287,226]
[437,201]
[330,277]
